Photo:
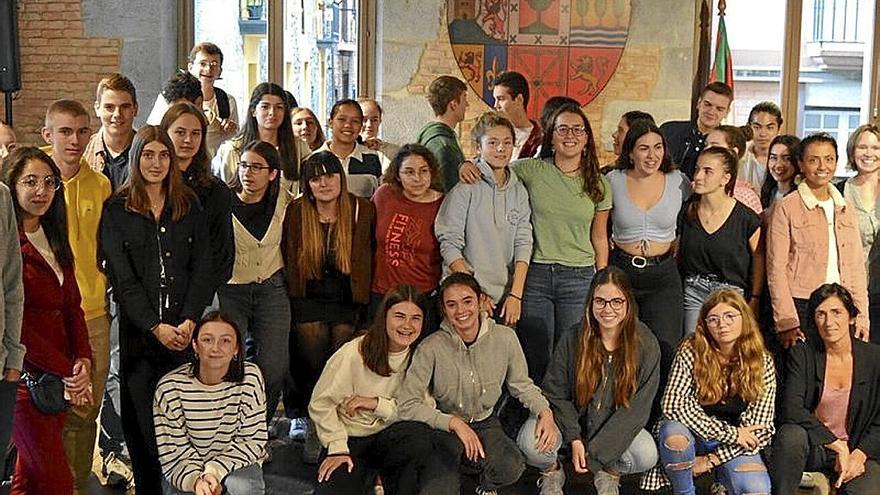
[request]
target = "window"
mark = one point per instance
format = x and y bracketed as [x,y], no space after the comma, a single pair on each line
[316,57]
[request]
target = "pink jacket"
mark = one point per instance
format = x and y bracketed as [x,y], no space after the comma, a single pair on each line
[797,254]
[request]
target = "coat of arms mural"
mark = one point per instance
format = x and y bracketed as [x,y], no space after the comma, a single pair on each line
[563,47]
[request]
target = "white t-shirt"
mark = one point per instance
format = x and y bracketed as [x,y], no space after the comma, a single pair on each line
[41,242]
[520,137]
[832,271]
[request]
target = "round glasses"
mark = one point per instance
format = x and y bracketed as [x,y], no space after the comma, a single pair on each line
[32,182]
[714,321]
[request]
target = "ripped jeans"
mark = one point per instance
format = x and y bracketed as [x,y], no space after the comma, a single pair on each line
[741,475]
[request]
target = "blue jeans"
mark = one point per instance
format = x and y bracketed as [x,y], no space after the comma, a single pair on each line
[262,312]
[640,456]
[244,481]
[696,289]
[740,475]
[553,303]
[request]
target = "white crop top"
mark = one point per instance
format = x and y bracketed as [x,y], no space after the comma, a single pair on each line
[658,224]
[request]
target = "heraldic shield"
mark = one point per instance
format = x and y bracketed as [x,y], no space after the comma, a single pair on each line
[563,47]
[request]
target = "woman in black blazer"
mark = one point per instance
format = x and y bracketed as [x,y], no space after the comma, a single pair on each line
[154,238]
[831,408]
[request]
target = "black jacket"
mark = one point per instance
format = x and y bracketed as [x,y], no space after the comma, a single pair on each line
[216,200]
[606,430]
[136,249]
[804,379]
[684,142]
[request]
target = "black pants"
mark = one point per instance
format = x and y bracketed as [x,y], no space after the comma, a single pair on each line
[659,296]
[139,376]
[502,466]
[874,315]
[793,453]
[398,453]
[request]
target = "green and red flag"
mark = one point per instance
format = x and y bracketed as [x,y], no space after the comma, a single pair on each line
[722,66]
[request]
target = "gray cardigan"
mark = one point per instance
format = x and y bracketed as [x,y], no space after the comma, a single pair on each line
[12,350]
[605,429]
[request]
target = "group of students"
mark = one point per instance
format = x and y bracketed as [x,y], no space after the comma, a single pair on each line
[408,293]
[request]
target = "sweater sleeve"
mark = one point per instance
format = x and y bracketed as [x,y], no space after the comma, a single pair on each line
[519,384]
[778,245]
[333,387]
[680,402]
[249,445]
[181,464]
[560,390]
[451,221]
[618,432]
[523,240]
[127,287]
[411,395]
[449,156]
[13,289]
[759,412]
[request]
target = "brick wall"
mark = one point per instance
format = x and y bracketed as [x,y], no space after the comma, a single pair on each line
[58,60]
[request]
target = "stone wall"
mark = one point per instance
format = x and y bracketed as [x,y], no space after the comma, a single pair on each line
[67,46]
[654,73]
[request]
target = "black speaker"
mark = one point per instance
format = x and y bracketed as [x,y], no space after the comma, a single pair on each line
[10,56]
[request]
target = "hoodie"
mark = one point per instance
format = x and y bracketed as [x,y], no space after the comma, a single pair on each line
[84,196]
[489,226]
[443,143]
[465,381]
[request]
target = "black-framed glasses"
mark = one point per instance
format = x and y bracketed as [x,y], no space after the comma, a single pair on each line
[565,130]
[615,302]
[256,167]
[32,182]
[714,321]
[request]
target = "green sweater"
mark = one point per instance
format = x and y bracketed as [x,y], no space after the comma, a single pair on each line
[443,143]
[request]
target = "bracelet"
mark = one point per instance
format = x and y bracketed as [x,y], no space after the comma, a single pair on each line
[511,294]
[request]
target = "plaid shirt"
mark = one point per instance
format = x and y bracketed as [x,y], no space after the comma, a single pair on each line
[680,403]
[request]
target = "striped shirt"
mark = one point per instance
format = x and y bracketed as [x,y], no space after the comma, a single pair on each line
[680,403]
[212,429]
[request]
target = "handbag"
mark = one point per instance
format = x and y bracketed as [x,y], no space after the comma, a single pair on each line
[47,392]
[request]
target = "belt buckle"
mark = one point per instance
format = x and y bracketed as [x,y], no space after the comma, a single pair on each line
[639,261]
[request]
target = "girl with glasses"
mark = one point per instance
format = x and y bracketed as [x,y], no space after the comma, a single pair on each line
[719,403]
[600,384]
[485,228]
[154,238]
[53,326]
[407,252]
[255,296]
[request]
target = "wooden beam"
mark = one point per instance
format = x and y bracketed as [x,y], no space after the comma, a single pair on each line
[275,33]
[702,36]
[791,65]
[185,30]
[874,60]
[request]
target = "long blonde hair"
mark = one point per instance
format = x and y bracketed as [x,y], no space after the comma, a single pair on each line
[744,374]
[589,360]
[311,256]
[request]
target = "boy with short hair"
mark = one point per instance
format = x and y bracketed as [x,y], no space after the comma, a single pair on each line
[116,106]
[765,120]
[511,93]
[448,98]
[85,190]
[8,141]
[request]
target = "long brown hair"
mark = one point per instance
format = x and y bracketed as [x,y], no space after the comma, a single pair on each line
[744,374]
[589,159]
[374,347]
[201,163]
[177,195]
[311,256]
[591,353]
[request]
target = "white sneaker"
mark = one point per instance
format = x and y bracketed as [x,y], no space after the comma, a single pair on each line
[807,481]
[551,482]
[481,491]
[606,483]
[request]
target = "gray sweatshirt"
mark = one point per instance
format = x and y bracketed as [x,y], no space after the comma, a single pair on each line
[489,226]
[466,381]
[11,350]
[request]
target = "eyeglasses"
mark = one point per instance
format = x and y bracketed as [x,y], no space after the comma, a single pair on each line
[714,321]
[615,302]
[252,166]
[32,182]
[564,130]
[206,65]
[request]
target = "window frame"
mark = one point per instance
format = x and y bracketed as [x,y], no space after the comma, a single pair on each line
[275,37]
